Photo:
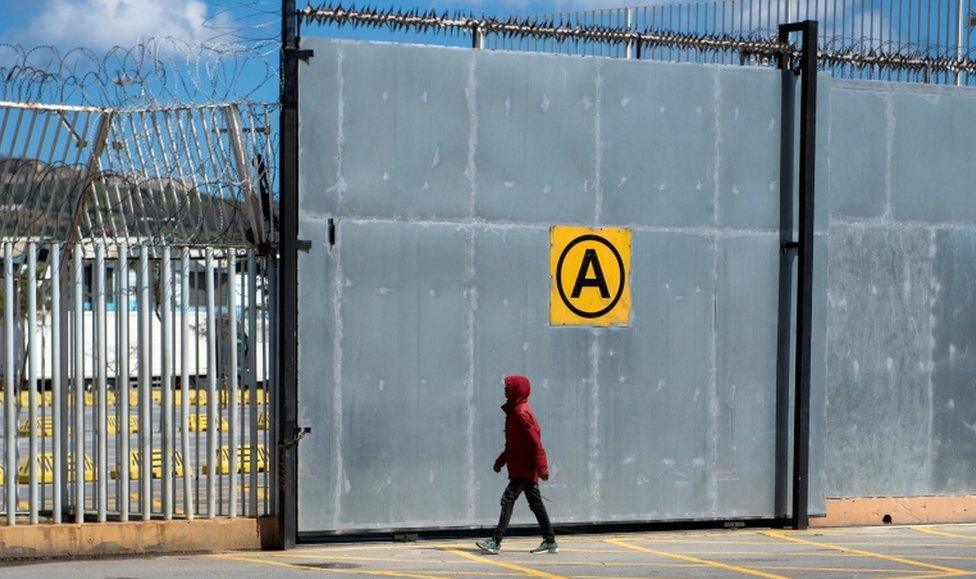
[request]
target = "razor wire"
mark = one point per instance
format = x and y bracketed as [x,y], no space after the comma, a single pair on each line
[561,29]
[188,175]
[156,72]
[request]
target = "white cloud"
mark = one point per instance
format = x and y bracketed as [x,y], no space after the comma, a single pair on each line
[100,24]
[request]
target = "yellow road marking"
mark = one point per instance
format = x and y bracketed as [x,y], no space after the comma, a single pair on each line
[943,533]
[705,562]
[892,558]
[504,565]
[380,572]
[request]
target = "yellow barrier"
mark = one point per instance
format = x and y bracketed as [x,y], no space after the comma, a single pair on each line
[45,398]
[113,425]
[91,398]
[45,464]
[198,397]
[243,460]
[198,423]
[264,421]
[43,426]
[135,465]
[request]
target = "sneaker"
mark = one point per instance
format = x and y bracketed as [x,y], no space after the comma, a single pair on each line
[490,546]
[546,547]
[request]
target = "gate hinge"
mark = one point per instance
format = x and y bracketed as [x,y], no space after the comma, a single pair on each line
[304,245]
[302,54]
[789,246]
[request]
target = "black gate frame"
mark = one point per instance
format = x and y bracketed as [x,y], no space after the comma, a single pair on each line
[284,532]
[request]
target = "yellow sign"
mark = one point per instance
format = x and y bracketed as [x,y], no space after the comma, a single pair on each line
[590,270]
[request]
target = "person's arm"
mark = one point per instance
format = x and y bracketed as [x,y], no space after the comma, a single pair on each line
[501,460]
[533,438]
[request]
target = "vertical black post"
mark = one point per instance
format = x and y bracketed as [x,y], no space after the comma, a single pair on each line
[804,313]
[787,260]
[287,379]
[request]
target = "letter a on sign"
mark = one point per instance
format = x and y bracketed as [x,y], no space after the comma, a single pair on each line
[590,270]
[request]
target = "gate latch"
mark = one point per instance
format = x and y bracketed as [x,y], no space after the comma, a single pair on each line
[300,433]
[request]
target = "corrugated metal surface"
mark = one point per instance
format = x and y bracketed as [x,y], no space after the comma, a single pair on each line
[443,170]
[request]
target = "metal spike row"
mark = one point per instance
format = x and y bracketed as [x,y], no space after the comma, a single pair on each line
[755,46]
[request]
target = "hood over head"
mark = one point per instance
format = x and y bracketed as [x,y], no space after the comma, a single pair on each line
[517,389]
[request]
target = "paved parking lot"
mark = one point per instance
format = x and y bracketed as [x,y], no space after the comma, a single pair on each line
[909,552]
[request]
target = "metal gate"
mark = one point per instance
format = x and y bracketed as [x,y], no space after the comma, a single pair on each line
[430,181]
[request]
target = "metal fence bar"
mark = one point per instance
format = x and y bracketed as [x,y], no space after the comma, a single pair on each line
[122,386]
[211,389]
[9,389]
[165,283]
[79,398]
[59,425]
[232,400]
[101,428]
[33,354]
[145,387]
[252,383]
[188,462]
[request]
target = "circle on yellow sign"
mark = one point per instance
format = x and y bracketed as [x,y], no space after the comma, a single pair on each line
[594,271]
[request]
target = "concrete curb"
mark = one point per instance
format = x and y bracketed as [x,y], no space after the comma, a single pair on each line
[50,541]
[898,511]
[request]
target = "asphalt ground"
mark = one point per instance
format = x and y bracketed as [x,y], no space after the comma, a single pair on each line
[908,552]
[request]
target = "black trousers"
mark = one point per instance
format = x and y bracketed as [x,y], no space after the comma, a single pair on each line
[516,487]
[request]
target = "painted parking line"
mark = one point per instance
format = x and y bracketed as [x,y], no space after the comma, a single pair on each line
[300,567]
[688,558]
[504,564]
[931,531]
[948,571]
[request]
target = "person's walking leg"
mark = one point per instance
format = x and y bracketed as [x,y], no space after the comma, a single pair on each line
[511,494]
[534,496]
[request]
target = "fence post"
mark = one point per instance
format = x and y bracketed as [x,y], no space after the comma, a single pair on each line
[286,456]
[804,248]
[961,21]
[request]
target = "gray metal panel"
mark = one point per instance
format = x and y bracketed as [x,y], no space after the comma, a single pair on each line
[535,146]
[317,456]
[953,397]
[320,177]
[748,277]
[658,134]
[403,371]
[858,151]
[900,291]
[749,135]
[404,130]
[672,417]
[879,349]
[932,172]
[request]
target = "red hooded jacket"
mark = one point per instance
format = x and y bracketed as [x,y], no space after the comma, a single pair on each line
[524,453]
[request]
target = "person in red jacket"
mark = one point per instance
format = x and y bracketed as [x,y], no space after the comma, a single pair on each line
[526,460]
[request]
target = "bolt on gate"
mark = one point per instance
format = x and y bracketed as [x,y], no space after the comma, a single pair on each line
[137,329]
